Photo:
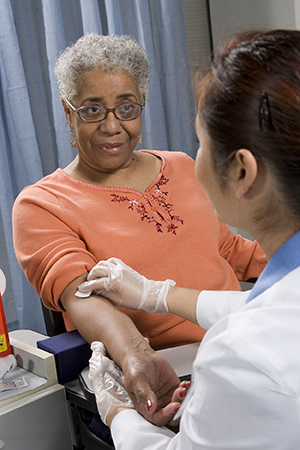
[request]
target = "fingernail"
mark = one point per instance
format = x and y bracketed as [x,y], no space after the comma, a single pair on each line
[149,405]
[176,409]
[182,393]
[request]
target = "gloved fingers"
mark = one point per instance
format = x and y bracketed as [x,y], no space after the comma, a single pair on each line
[98,284]
[111,268]
[115,281]
[125,287]
[95,362]
[107,381]
[85,289]
[101,278]
[102,269]
[114,386]
[116,261]
[98,347]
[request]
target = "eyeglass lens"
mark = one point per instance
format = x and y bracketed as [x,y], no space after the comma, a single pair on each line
[95,113]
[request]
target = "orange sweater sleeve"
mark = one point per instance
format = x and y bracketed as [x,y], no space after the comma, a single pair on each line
[246,257]
[49,250]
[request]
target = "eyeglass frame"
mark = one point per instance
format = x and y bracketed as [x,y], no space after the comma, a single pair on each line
[108,110]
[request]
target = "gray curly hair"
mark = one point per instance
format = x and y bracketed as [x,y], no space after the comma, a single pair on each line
[94,52]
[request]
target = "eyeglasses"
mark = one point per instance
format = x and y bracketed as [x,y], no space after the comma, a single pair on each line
[97,113]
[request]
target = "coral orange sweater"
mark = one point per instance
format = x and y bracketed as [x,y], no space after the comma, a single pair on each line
[63,227]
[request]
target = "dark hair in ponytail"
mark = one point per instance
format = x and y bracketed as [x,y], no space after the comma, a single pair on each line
[250,99]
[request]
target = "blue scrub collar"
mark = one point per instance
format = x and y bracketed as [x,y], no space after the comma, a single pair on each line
[286,259]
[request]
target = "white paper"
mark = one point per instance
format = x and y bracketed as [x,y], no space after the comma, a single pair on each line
[33,381]
[17,383]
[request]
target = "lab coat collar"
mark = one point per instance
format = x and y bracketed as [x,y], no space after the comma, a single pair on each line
[286,259]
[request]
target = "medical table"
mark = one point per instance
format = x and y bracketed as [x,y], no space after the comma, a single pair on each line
[48,417]
[36,418]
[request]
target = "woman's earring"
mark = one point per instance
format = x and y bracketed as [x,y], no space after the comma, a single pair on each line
[73,139]
[140,138]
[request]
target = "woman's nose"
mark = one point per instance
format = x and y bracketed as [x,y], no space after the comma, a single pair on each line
[110,124]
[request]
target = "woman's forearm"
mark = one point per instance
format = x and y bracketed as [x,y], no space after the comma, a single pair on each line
[182,302]
[148,377]
[98,320]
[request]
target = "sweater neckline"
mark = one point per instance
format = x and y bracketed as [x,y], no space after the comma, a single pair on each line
[117,188]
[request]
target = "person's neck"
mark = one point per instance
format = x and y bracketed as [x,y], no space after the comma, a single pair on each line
[81,171]
[138,174]
[272,240]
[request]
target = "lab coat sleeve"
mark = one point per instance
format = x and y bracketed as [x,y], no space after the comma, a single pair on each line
[214,305]
[130,431]
[239,399]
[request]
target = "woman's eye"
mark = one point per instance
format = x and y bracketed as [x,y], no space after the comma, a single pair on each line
[92,110]
[126,108]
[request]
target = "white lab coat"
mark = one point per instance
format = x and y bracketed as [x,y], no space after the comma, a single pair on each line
[246,378]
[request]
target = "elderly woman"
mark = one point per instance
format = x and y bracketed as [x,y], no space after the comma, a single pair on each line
[114,201]
[246,389]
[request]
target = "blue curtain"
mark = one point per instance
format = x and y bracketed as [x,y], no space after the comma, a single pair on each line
[34,135]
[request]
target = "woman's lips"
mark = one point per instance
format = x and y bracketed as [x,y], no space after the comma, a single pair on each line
[111,149]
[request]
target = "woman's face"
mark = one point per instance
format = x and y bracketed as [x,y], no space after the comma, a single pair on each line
[205,172]
[108,145]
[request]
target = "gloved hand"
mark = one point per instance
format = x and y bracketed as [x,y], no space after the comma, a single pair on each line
[107,381]
[125,287]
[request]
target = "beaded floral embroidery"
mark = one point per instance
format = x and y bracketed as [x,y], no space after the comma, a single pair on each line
[155,208]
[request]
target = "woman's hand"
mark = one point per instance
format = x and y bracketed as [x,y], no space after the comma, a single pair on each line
[125,287]
[151,381]
[111,396]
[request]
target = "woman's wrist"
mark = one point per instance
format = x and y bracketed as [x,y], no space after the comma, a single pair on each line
[135,348]
[183,302]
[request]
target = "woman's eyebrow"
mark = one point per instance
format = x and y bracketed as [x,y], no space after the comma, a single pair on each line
[100,99]
[126,95]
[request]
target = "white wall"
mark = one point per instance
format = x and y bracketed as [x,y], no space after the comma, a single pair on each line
[229,16]
[197,31]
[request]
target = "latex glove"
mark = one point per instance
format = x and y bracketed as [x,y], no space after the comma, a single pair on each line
[125,287]
[107,381]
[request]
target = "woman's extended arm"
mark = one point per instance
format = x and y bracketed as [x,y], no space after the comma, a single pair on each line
[148,376]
